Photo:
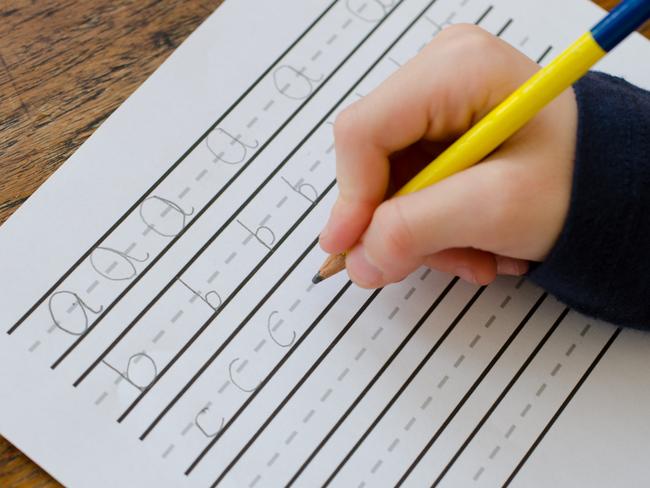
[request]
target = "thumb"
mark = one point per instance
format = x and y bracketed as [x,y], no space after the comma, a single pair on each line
[462,211]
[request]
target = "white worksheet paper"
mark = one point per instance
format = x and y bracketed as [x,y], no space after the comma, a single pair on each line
[160,328]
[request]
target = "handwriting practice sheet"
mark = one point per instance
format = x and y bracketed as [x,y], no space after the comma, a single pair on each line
[159,323]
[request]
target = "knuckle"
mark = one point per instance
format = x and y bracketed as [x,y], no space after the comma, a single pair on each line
[396,235]
[346,124]
[469,38]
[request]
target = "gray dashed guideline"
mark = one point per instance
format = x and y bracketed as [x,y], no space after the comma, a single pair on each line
[506,301]
[556,369]
[490,321]
[409,293]
[377,332]
[361,352]
[478,473]
[474,341]
[460,359]
[166,211]
[309,415]
[426,402]
[231,257]
[510,431]
[242,366]
[158,336]
[326,395]
[525,410]
[260,345]
[281,202]
[495,451]
[268,105]
[409,424]
[33,347]
[541,389]
[101,398]
[570,350]
[223,387]
[277,325]
[393,444]
[443,381]
[273,459]
[168,451]
[314,166]
[585,330]
[291,437]
[393,313]
[92,287]
[201,175]
[187,428]
[130,248]
[343,374]
[376,466]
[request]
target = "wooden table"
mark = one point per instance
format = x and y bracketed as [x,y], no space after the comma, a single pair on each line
[65,65]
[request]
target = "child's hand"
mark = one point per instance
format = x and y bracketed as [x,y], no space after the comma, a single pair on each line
[487,220]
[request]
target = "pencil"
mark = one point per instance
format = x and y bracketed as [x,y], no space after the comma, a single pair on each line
[522,105]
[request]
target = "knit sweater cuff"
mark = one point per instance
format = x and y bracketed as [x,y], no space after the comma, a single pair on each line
[600,264]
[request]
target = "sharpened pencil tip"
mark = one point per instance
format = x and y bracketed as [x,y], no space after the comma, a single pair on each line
[317,279]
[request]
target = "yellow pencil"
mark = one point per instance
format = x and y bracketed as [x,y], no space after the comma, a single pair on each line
[522,105]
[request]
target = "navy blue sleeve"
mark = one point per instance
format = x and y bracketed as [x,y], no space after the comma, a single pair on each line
[601,262]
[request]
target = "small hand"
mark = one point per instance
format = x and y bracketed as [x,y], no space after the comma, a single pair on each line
[489,219]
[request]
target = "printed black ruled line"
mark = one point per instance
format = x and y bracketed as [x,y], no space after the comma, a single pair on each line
[544,54]
[170,284]
[474,386]
[216,313]
[323,120]
[235,292]
[405,385]
[261,149]
[502,395]
[372,382]
[290,395]
[164,176]
[484,14]
[504,28]
[567,400]
[263,383]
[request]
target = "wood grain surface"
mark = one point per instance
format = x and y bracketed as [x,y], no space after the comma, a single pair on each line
[65,65]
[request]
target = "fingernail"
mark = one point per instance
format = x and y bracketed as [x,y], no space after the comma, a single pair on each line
[325,232]
[362,270]
[466,274]
[511,267]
